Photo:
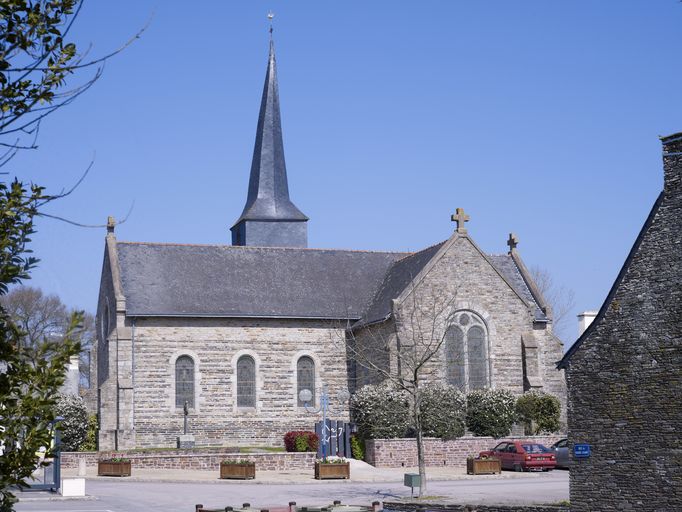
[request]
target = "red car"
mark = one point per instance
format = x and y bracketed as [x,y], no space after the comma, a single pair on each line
[523,456]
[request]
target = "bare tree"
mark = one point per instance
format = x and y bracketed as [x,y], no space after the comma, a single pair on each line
[402,350]
[560,298]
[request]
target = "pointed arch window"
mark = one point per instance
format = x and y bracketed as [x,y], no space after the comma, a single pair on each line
[466,352]
[184,381]
[246,382]
[305,378]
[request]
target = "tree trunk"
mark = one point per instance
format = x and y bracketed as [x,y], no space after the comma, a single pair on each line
[420,445]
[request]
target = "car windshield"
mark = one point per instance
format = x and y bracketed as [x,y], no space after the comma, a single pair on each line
[534,448]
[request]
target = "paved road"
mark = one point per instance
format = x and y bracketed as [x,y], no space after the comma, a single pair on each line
[125,496]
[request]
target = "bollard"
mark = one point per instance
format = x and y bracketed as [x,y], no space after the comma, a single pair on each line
[292,506]
[376,506]
[197,508]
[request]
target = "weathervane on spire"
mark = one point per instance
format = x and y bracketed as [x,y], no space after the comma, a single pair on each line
[270,16]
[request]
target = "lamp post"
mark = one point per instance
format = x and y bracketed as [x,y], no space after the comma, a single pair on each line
[306,396]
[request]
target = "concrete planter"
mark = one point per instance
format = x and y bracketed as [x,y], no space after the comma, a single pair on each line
[111,468]
[332,471]
[238,471]
[483,466]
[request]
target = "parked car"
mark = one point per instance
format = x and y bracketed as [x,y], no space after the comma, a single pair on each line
[560,449]
[523,456]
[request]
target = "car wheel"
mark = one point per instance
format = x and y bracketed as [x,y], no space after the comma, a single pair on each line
[518,468]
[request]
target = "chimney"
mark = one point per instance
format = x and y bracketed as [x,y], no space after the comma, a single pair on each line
[672,164]
[584,320]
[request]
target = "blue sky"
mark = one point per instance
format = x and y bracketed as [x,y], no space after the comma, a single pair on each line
[536,117]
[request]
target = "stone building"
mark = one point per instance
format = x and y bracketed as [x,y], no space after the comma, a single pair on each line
[239,330]
[624,373]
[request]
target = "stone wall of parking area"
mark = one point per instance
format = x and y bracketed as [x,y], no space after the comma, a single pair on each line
[204,459]
[395,453]
[422,507]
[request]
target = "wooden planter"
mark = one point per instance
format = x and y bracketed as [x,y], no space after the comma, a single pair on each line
[331,471]
[238,471]
[483,466]
[105,468]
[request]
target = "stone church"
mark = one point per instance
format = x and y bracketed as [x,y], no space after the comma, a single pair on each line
[237,331]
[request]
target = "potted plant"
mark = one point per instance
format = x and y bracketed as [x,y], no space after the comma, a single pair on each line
[483,465]
[115,465]
[332,467]
[237,469]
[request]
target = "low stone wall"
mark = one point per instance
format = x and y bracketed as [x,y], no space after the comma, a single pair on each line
[395,453]
[205,459]
[425,507]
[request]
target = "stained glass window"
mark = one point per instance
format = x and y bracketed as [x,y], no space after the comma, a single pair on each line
[246,382]
[305,377]
[466,350]
[454,346]
[184,381]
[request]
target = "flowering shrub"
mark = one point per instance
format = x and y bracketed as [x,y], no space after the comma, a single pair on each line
[74,426]
[301,441]
[539,412]
[491,412]
[332,460]
[381,411]
[443,410]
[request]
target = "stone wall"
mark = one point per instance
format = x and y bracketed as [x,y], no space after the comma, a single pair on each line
[395,453]
[424,507]
[625,375]
[208,459]
[215,345]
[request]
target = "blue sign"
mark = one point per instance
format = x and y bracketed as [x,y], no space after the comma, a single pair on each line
[581,450]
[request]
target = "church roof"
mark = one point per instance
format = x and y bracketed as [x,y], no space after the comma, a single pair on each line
[234,281]
[268,196]
[231,281]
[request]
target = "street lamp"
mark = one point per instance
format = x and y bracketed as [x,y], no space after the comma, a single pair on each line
[306,396]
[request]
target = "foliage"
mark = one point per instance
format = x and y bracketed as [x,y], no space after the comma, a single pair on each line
[301,441]
[238,462]
[115,458]
[539,412]
[381,411]
[74,426]
[443,410]
[90,443]
[29,382]
[491,412]
[357,447]
[332,460]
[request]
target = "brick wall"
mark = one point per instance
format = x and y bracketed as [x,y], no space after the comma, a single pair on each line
[208,459]
[395,453]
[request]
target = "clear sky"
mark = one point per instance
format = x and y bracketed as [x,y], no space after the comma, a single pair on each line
[536,117]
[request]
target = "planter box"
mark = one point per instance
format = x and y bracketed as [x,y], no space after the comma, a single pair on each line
[113,468]
[483,466]
[238,471]
[331,471]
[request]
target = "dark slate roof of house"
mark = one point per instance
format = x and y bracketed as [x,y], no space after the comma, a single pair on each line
[616,284]
[202,280]
[506,266]
[401,273]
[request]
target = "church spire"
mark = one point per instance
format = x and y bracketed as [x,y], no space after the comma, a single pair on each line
[269,217]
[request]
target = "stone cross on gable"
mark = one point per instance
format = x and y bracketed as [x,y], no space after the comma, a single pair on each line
[460,218]
[512,242]
[111,224]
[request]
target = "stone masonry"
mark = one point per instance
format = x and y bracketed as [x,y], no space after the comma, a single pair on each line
[624,373]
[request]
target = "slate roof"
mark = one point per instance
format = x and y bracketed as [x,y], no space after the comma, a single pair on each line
[506,266]
[231,281]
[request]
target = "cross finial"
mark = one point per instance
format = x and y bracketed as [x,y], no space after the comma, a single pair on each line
[512,242]
[270,16]
[111,224]
[460,218]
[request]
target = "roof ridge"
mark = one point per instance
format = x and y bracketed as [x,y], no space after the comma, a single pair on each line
[251,247]
[416,253]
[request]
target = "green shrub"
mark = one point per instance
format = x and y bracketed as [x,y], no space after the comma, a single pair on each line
[491,412]
[90,443]
[300,444]
[74,426]
[357,447]
[443,411]
[381,412]
[539,412]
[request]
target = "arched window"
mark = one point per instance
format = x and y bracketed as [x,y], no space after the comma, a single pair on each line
[246,382]
[184,381]
[305,378]
[466,352]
